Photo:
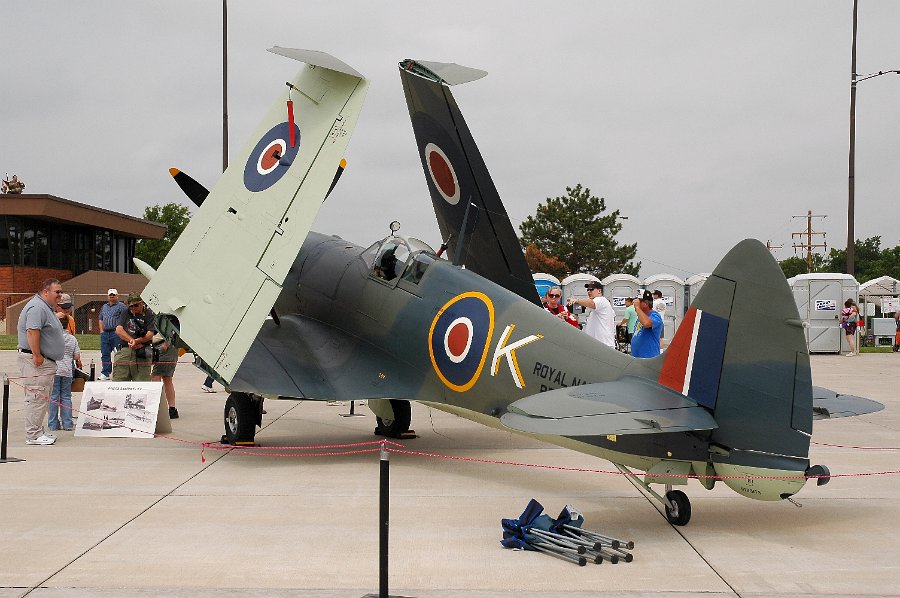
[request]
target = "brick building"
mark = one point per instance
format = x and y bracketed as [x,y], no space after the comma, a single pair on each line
[89,249]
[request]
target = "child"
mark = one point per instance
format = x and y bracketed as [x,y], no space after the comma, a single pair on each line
[61,396]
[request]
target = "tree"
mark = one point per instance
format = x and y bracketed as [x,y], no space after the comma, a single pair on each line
[574,230]
[870,261]
[176,218]
[538,261]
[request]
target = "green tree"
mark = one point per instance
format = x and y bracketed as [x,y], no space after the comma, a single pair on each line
[574,230]
[176,218]
[795,265]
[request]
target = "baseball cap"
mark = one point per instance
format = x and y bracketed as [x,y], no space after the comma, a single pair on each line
[112,292]
[593,285]
[133,298]
[648,296]
[65,301]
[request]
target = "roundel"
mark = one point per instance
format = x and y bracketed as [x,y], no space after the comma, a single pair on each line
[271,158]
[458,339]
[442,173]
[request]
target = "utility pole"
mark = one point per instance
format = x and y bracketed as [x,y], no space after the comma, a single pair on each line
[771,247]
[808,233]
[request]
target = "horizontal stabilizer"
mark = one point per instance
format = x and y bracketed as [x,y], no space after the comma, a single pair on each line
[828,404]
[626,406]
[444,72]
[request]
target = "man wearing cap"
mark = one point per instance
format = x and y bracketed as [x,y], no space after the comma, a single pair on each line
[645,342]
[135,330]
[110,314]
[40,345]
[601,322]
[65,306]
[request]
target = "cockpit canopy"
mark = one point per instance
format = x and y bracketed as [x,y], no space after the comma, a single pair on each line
[405,258]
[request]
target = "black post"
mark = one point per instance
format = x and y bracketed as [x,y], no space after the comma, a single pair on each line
[5,424]
[93,372]
[383,517]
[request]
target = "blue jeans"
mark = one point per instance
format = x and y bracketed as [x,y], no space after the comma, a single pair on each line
[108,341]
[60,403]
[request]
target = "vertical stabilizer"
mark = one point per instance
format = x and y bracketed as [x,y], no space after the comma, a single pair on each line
[468,208]
[225,272]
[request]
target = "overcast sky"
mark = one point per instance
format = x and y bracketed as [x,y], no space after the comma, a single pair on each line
[704,122]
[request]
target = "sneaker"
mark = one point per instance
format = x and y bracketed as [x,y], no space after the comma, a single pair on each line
[334,403]
[206,388]
[173,413]
[850,354]
[41,440]
[102,377]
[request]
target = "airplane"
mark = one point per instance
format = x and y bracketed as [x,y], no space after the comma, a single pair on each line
[730,400]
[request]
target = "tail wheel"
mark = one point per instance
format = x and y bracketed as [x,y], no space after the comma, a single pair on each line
[394,428]
[243,412]
[678,509]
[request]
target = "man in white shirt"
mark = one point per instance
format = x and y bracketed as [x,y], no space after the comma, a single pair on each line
[659,306]
[601,322]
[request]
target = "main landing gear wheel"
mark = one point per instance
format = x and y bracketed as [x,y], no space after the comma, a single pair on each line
[678,509]
[395,427]
[243,412]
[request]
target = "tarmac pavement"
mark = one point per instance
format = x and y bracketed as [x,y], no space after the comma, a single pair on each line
[147,517]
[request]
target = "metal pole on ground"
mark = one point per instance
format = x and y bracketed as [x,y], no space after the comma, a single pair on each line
[383,519]
[5,424]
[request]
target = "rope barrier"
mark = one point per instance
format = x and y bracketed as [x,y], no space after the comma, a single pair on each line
[395,447]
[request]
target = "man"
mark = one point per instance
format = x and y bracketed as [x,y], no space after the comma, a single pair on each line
[645,342]
[164,369]
[551,304]
[110,314]
[630,319]
[135,330]
[40,345]
[601,322]
[65,306]
[659,306]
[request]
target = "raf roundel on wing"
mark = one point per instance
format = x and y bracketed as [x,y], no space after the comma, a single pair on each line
[458,339]
[271,158]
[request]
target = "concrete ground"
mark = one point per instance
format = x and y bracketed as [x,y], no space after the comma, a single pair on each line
[116,517]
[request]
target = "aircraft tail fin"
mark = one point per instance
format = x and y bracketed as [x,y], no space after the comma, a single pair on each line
[471,217]
[740,352]
[221,278]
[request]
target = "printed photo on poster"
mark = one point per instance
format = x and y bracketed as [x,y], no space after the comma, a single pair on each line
[118,409]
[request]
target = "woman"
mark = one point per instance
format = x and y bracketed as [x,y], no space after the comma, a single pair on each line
[849,317]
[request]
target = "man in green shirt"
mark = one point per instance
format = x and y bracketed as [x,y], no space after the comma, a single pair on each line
[630,319]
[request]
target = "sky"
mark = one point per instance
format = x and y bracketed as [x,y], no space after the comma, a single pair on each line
[703,122]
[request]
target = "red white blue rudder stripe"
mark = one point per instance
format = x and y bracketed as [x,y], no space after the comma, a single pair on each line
[693,361]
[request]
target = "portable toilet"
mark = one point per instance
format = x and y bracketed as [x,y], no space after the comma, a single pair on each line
[617,288]
[672,289]
[820,298]
[544,282]
[693,284]
[573,286]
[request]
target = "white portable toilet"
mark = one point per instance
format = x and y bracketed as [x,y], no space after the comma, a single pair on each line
[672,289]
[820,298]
[617,288]
[693,284]
[543,282]
[573,286]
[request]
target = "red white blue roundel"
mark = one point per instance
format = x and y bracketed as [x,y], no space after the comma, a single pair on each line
[271,158]
[459,337]
[442,173]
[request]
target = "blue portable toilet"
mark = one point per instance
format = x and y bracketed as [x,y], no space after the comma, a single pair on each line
[544,282]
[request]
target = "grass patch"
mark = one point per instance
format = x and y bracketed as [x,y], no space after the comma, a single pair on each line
[87,342]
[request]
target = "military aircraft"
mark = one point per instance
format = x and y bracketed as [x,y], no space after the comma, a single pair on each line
[730,400]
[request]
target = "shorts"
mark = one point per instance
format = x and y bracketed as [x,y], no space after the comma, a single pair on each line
[165,368]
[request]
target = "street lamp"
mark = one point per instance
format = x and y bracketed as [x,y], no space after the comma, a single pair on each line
[851,242]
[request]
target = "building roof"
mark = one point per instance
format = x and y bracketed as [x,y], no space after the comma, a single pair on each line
[50,207]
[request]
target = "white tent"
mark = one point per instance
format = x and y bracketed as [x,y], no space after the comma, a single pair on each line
[885,288]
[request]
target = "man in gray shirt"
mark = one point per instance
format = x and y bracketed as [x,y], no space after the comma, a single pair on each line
[41,344]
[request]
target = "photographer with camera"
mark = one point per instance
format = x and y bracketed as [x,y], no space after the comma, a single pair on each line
[136,329]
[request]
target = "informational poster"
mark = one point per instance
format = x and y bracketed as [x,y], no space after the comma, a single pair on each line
[119,409]
[889,305]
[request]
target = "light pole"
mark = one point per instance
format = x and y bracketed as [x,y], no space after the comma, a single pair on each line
[851,241]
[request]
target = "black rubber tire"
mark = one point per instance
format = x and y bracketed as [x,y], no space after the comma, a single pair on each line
[242,414]
[681,514]
[395,428]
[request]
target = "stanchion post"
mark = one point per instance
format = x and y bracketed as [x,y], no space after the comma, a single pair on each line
[4,425]
[93,371]
[383,519]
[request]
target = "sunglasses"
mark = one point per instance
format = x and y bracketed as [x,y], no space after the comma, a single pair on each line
[556,296]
